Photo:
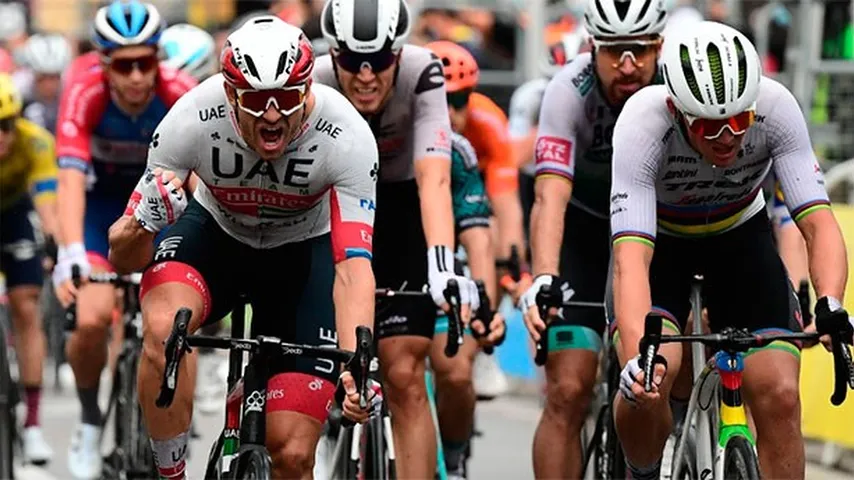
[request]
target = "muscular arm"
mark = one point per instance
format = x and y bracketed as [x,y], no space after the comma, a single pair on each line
[433,175]
[71,205]
[552,193]
[47,214]
[131,246]
[793,251]
[353,294]
[478,244]
[632,297]
[508,213]
[828,260]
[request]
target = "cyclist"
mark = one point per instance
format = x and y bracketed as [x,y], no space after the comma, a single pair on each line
[286,178]
[106,118]
[27,180]
[46,56]
[400,89]
[689,159]
[569,220]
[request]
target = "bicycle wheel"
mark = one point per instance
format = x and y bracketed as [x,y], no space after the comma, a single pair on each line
[608,455]
[379,466]
[740,461]
[254,464]
[8,399]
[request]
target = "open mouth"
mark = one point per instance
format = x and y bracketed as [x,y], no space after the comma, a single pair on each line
[366,93]
[272,137]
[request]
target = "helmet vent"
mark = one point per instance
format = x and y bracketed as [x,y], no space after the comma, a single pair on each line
[365,19]
[402,20]
[250,65]
[742,65]
[688,71]
[717,71]
[280,68]
[642,13]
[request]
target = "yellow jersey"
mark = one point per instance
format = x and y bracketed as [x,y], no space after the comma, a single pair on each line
[30,166]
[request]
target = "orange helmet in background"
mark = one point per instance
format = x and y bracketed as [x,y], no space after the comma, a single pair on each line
[460,67]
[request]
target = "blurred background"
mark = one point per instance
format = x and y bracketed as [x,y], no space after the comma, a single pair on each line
[807,44]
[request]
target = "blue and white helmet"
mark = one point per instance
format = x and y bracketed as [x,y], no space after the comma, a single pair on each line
[126,23]
[189,48]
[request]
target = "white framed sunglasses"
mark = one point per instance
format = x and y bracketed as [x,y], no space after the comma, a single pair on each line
[616,51]
[285,100]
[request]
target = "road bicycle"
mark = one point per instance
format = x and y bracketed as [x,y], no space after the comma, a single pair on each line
[131,457]
[715,441]
[239,452]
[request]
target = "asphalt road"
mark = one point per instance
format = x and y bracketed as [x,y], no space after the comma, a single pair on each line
[503,452]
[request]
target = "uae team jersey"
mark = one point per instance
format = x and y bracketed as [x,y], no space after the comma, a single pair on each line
[414,124]
[662,185]
[325,181]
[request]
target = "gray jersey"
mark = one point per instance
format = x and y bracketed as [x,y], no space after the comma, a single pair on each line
[325,181]
[661,185]
[574,135]
[414,124]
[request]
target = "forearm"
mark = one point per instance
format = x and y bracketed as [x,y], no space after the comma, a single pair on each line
[131,246]
[71,205]
[477,242]
[828,261]
[437,214]
[547,225]
[508,213]
[632,300]
[47,214]
[353,294]
[793,251]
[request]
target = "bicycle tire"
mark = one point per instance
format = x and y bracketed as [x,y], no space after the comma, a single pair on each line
[379,466]
[609,462]
[254,464]
[142,457]
[740,461]
[8,399]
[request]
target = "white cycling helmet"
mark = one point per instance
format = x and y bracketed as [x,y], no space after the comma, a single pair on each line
[267,53]
[563,52]
[48,54]
[125,23]
[13,20]
[365,27]
[624,18]
[711,71]
[189,48]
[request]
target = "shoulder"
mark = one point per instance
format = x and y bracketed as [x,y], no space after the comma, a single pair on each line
[771,93]
[36,139]
[484,113]
[324,71]
[420,70]
[339,120]
[172,84]
[648,102]
[578,76]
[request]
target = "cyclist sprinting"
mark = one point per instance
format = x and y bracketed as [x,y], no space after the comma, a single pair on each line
[689,159]
[287,181]
[400,89]
[46,56]
[569,220]
[106,120]
[27,183]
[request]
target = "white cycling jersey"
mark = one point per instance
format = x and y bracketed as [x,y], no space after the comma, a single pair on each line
[414,124]
[660,183]
[325,181]
[574,134]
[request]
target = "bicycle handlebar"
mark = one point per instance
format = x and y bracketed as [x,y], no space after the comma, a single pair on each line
[179,343]
[112,278]
[551,297]
[485,314]
[740,340]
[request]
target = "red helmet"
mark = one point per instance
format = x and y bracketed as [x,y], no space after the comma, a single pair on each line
[461,70]
[266,53]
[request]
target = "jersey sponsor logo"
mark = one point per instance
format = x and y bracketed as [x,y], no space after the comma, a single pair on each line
[375,170]
[324,126]
[669,133]
[367,204]
[295,169]
[742,168]
[155,141]
[719,183]
[168,247]
[584,80]
[211,113]
[688,173]
[259,202]
[714,198]
[431,78]
[553,149]
[681,159]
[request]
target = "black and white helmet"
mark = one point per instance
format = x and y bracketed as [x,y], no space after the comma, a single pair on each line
[625,18]
[365,26]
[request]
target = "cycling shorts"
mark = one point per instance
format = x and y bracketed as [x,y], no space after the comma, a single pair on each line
[400,259]
[289,288]
[584,260]
[745,284]
[20,259]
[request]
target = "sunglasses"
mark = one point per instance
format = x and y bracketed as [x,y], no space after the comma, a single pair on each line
[285,100]
[125,66]
[354,62]
[460,99]
[7,124]
[712,128]
[637,51]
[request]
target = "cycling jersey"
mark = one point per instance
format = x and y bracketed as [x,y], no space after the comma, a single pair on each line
[486,129]
[471,205]
[574,135]
[43,114]
[30,166]
[81,64]
[414,124]
[661,184]
[324,182]
[525,107]
[95,136]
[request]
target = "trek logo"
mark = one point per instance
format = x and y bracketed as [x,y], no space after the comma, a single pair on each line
[294,171]
[720,183]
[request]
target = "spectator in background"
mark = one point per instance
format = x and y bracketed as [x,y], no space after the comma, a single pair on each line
[13,25]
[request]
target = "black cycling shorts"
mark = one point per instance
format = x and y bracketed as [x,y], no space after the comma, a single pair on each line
[584,260]
[289,287]
[20,259]
[400,259]
[745,284]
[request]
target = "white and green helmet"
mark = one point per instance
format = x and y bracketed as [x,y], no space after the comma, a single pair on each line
[711,71]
